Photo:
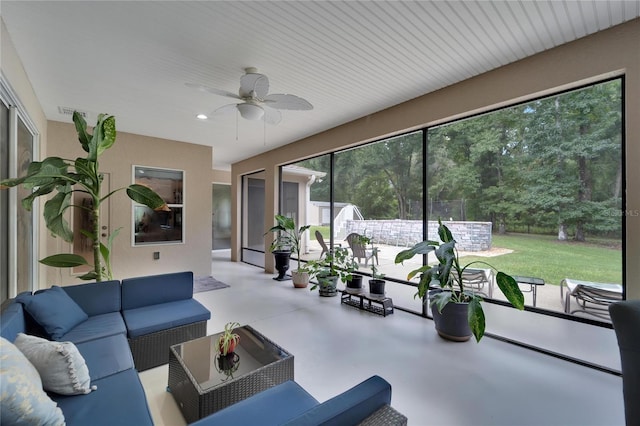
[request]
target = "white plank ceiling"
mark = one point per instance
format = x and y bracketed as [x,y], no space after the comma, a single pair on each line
[348,58]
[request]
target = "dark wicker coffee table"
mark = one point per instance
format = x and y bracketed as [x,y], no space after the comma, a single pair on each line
[203,382]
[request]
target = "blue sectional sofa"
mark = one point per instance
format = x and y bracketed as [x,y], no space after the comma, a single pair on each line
[94,319]
[159,312]
[367,403]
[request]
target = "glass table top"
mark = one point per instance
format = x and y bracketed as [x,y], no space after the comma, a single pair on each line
[210,369]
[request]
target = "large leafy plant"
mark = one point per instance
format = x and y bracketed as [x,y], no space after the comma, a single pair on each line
[289,236]
[336,263]
[447,275]
[64,177]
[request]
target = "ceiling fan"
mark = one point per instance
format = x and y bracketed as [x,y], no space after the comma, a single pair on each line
[256,103]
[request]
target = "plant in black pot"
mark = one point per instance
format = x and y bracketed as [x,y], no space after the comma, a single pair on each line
[377,282]
[336,264]
[355,283]
[353,280]
[457,312]
[288,240]
[281,254]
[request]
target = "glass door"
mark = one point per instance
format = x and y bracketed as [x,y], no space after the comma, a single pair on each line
[25,258]
[18,142]
[221,219]
[253,212]
[4,203]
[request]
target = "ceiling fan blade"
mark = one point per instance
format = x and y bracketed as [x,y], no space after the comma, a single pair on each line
[271,116]
[292,102]
[202,88]
[256,83]
[225,109]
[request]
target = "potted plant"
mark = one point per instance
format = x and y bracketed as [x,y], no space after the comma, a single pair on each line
[228,339]
[336,264]
[227,364]
[288,240]
[355,283]
[376,283]
[457,312]
[281,253]
[63,177]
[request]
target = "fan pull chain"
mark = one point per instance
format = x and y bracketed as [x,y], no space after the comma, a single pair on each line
[264,132]
[237,114]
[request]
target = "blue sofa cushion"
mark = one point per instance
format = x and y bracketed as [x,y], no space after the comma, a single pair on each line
[97,327]
[12,321]
[156,289]
[106,356]
[271,407]
[54,310]
[96,298]
[350,407]
[149,319]
[119,400]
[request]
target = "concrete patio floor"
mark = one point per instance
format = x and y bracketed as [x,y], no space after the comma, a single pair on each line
[492,383]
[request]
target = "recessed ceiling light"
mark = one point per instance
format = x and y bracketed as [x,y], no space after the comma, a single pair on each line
[201,117]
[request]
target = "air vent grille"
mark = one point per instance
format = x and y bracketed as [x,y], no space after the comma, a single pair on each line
[69,111]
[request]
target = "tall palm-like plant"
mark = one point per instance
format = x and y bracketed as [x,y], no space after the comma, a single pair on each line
[64,177]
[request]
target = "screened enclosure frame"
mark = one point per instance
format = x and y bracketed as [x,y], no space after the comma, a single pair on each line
[425,198]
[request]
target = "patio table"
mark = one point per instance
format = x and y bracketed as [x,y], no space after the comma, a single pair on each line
[202,381]
[533,283]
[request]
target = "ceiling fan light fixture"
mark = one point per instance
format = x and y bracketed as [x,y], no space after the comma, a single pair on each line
[250,111]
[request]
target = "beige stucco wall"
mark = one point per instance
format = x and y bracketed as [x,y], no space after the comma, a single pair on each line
[221,176]
[128,150]
[608,53]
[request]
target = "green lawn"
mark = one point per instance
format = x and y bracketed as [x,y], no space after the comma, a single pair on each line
[324,230]
[544,257]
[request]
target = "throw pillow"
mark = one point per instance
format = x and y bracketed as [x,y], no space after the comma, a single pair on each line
[54,310]
[22,400]
[62,368]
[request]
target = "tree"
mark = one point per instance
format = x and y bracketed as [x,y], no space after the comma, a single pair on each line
[384,179]
[64,177]
[573,139]
[375,198]
[474,161]
[397,162]
[551,162]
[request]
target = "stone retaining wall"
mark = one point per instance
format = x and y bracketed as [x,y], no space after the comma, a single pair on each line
[469,236]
